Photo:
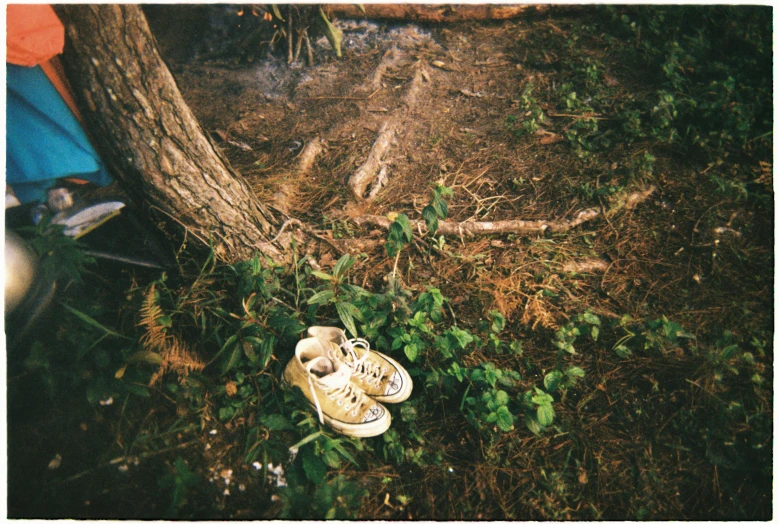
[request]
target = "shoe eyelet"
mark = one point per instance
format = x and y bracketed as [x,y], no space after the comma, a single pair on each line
[340,403]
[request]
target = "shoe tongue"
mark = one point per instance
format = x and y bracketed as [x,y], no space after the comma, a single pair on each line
[330,373]
[321,366]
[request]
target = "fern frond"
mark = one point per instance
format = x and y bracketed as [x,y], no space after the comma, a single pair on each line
[177,358]
[154,336]
[181,360]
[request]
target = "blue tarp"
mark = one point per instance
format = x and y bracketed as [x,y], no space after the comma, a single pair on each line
[44,141]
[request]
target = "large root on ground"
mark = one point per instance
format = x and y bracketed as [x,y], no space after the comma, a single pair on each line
[305,161]
[367,173]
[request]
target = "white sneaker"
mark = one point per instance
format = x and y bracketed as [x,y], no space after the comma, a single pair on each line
[380,376]
[327,385]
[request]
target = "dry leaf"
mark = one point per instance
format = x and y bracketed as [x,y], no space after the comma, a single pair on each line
[551,139]
[55,462]
[466,92]
[230,388]
[583,477]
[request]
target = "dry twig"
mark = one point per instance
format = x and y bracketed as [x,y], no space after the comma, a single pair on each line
[519,227]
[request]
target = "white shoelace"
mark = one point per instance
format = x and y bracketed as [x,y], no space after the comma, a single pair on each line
[338,380]
[359,365]
[349,345]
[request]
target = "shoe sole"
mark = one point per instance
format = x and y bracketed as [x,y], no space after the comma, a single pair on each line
[370,429]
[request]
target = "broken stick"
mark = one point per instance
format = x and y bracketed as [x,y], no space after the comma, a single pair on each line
[433,13]
[519,227]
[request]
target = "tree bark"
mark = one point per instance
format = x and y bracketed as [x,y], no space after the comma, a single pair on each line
[149,138]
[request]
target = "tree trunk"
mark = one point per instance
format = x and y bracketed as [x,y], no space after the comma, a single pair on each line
[148,136]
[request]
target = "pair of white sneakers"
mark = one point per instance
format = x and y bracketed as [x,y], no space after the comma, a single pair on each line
[346,382]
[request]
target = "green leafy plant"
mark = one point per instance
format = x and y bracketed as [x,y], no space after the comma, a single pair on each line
[661,335]
[709,97]
[400,234]
[340,293]
[339,499]
[583,324]
[491,408]
[60,257]
[325,452]
[531,115]
[437,208]
[562,379]
[539,410]
[182,483]
[496,325]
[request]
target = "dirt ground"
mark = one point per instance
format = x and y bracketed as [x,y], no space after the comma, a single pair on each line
[447,91]
[454,130]
[661,258]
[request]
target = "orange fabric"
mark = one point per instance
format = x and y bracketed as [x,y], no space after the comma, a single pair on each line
[34,34]
[56,75]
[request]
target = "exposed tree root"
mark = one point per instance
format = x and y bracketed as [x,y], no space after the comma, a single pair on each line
[519,227]
[368,172]
[305,161]
[308,156]
[381,181]
[390,59]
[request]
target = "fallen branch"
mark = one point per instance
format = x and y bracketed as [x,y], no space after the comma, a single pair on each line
[587,265]
[518,227]
[433,13]
[470,229]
